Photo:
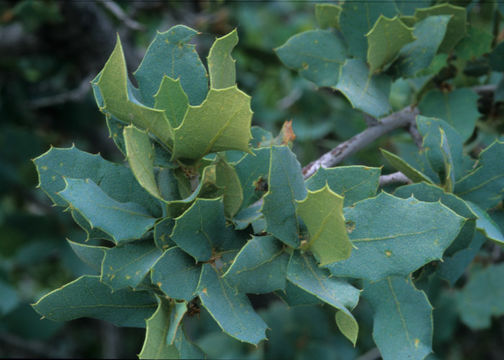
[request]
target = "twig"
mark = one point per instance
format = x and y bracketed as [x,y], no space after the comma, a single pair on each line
[118,12]
[73,95]
[415,135]
[485,89]
[396,120]
[397,177]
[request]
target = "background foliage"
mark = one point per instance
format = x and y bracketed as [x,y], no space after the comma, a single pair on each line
[46,65]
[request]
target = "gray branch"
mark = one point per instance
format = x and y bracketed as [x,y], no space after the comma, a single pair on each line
[396,120]
[397,177]
[76,94]
[119,13]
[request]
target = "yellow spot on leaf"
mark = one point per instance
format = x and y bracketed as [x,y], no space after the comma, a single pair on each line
[159,284]
[417,342]
[43,168]
[388,253]
[205,291]
[127,277]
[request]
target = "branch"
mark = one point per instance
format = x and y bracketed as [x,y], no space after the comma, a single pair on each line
[396,120]
[397,177]
[76,94]
[119,13]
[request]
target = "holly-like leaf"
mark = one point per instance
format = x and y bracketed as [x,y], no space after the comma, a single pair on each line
[357,19]
[486,224]
[221,66]
[295,296]
[419,54]
[401,165]
[327,15]
[252,269]
[477,43]
[456,27]
[484,185]
[127,265]
[230,309]
[121,221]
[322,213]
[229,182]
[158,326]
[221,122]
[252,170]
[162,232]
[402,321]
[286,185]
[88,297]
[316,54]
[386,230]
[343,181]
[176,274]
[172,99]
[114,179]
[365,91]
[385,40]
[170,54]
[91,255]
[347,325]
[459,108]
[201,230]
[119,100]
[140,154]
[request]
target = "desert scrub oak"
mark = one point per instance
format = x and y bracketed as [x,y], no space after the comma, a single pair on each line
[208,209]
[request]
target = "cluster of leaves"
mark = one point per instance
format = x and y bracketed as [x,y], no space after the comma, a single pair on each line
[210,210]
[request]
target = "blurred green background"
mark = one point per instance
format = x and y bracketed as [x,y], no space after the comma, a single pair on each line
[49,51]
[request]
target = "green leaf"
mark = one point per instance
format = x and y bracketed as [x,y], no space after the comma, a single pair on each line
[304,272]
[295,296]
[9,299]
[260,267]
[251,170]
[186,348]
[459,108]
[402,322]
[348,326]
[91,255]
[114,179]
[176,274]
[483,186]
[170,54]
[286,185]
[495,58]
[481,298]
[342,180]
[322,213]
[316,54]
[88,297]
[386,229]
[477,43]
[162,232]
[229,182]
[230,309]
[122,221]
[385,40]
[201,230]
[401,165]
[119,101]
[221,66]
[221,122]
[431,193]
[486,224]
[419,54]
[357,19]
[365,91]
[158,326]
[327,15]
[172,99]
[127,265]
[140,154]
[456,27]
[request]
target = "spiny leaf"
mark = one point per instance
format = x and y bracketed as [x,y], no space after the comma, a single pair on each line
[477,43]
[402,321]
[91,255]
[252,170]
[88,297]
[385,40]
[402,166]
[127,265]
[260,267]
[221,66]
[316,54]
[486,224]
[170,54]
[221,122]
[365,91]
[172,99]
[322,212]
[162,232]
[140,154]
[385,230]
[119,100]
[354,183]
[122,221]
[176,274]
[230,309]
[285,186]
[327,15]
[229,182]
[158,326]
